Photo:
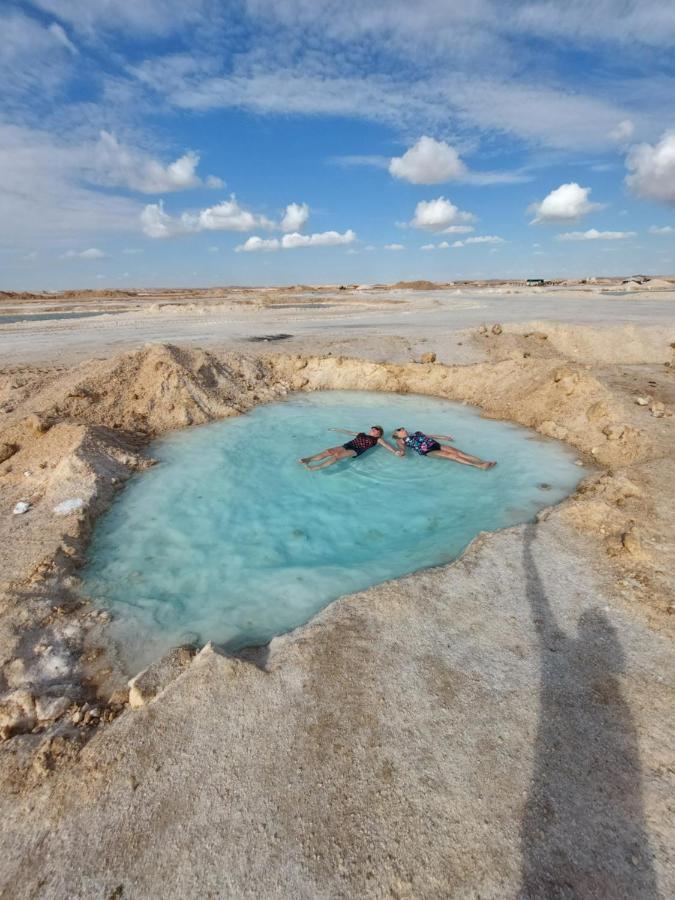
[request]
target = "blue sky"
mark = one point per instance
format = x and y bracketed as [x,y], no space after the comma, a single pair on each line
[202,142]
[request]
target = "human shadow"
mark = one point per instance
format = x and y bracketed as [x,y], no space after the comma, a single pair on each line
[583,830]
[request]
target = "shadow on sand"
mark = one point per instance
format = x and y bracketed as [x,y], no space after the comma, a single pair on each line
[583,831]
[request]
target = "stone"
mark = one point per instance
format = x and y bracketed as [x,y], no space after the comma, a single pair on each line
[642,401]
[614,432]
[497,328]
[428,358]
[21,507]
[657,409]
[597,411]
[17,713]
[50,708]
[37,423]
[145,686]
[7,450]
[631,541]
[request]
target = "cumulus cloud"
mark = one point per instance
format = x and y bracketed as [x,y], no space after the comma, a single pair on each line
[91,253]
[594,235]
[652,169]
[117,165]
[480,239]
[567,203]
[394,247]
[662,229]
[294,240]
[428,162]
[295,217]
[439,214]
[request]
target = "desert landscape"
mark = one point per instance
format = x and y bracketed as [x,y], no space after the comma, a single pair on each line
[501,724]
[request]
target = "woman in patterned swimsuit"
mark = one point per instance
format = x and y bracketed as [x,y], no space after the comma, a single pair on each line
[358,445]
[428,445]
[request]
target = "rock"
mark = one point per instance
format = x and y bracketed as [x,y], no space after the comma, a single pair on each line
[642,401]
[37,423]
[497,328]
[7,450]
[49,708]
[428,358]
[145,686]
[631,541]
[17,713]
[597,411]
[614,432]
[552,429]
[657,409]
[66,507]
[21,507]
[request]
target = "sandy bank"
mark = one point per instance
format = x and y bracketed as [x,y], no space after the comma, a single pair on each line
[424,737]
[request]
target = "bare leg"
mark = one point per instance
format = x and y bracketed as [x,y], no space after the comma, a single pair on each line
[464,459]
[330,456]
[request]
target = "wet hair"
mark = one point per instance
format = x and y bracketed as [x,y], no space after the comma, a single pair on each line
[377,428]
[395,432]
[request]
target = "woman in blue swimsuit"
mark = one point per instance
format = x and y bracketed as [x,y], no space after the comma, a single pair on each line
[358,445]
[428,445]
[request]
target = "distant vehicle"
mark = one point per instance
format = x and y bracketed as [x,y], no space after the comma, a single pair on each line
[531,282]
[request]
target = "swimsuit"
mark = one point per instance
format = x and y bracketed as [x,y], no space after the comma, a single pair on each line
[421,443]
[361,443]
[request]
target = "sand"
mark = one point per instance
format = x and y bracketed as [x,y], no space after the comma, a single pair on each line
[499,727]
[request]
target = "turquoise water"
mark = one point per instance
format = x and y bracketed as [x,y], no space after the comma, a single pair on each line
[229,539]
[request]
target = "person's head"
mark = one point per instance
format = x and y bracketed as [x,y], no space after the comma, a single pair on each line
[376,431]
[400,434]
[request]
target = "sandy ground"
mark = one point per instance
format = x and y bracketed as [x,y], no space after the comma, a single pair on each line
[500,727]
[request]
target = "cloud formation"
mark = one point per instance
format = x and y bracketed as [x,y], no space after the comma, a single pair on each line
[295,240]
[661,229]
[480,239]
[428,162]
[394,247]
[117,165]
[91,253]
[594,235]
[439,215]
[225,216]
[295,217]
[567,203]
[652,170]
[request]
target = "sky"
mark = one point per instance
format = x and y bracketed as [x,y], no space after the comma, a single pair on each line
[211,142]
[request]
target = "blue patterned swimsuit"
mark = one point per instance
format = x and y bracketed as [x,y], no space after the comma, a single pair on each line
[421,443]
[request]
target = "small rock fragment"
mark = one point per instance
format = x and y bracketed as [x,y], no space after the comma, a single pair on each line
[7,450]
[497,328]
[48,708]
[145,686]
[642,401]
[21,507]
[66,507]
[17,713]
[428,358]
[657,409]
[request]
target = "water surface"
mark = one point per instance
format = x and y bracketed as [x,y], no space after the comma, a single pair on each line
[230,539]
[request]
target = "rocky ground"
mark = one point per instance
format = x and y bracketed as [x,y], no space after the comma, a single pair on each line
[499,727]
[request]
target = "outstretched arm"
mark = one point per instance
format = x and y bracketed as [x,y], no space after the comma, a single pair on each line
[343,431]
[442,437]
[388,447]
[400,443]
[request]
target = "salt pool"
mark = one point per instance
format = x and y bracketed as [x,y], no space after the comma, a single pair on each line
[230,540]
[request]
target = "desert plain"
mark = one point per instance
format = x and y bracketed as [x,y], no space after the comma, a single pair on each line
[498,727]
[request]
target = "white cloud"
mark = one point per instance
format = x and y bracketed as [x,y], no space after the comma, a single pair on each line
[322,239]
[225,216]
[115,164]
[652,170]
[458,229]
[623,131]
[567,203]
[480,239]
[428,247]
[295,240]
[256,243]
[394,247]
[91,253]
[34,58]
[153,17]
[295,217]
[428,162]
[439,214]
[594,235]
[662,229]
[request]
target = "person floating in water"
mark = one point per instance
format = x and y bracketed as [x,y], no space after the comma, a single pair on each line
[428,445]
[358,445]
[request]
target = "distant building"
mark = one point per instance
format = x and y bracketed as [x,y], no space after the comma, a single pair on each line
[531,282]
